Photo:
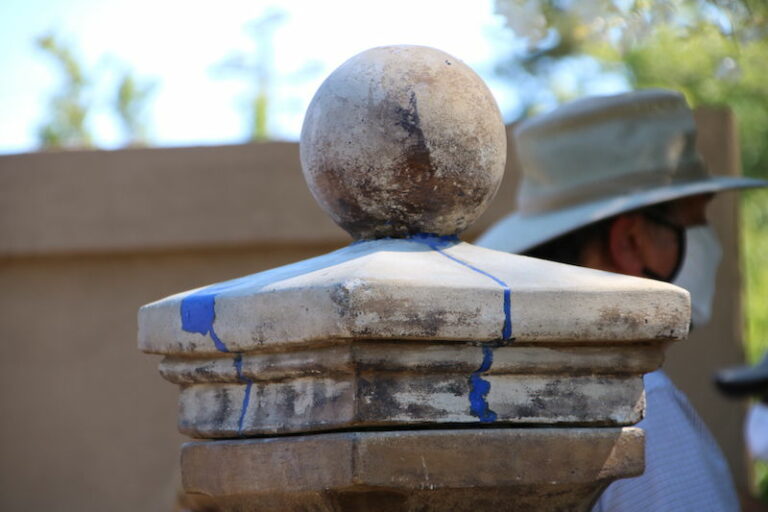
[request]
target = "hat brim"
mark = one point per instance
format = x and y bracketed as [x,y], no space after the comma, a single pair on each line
[518,233]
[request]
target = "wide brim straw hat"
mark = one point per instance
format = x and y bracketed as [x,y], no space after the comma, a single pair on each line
[601,156]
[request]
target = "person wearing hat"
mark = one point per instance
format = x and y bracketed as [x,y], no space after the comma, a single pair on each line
[615,183]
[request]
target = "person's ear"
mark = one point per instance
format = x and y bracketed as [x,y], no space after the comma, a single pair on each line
[625,245]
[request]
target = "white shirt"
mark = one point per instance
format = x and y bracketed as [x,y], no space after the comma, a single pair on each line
[756,431]
[684,467]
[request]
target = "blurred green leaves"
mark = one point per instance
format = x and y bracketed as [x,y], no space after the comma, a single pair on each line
[69,106]
[77,99]
[714,51]
[257,67]
[754,214]
[711,68]
[130,106]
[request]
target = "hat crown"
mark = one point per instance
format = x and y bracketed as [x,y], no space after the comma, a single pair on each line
[602,156]
[602,147]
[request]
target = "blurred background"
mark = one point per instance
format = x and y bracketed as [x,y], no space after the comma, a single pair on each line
[200,105]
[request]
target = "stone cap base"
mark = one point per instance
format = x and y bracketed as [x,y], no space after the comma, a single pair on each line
[393,385]
[473,469]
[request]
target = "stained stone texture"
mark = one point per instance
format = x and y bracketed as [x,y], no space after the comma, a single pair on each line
[423,287]
[379,384]
[402,140]
[524,470]
[411,332]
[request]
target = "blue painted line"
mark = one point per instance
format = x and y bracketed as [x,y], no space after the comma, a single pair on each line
[198,314]
[479,389]
[438,243]
[506,331]
[238,362]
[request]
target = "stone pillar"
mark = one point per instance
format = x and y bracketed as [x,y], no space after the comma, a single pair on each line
[410,370]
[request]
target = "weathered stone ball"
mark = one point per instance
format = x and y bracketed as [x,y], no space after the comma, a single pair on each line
[403,140]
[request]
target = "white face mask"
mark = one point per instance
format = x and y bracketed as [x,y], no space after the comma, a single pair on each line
[699,270]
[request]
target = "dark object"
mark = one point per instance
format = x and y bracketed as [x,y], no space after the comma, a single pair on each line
[743,381]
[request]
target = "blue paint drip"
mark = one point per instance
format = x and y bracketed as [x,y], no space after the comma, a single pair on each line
[198,314]
[238,363]
[506,331]
[479,389]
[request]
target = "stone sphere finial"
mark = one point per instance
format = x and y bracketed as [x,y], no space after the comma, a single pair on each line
[402,140]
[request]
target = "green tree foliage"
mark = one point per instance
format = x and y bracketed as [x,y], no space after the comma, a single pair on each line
[711,68]
[130,104]
[70,105]
[754,214]
[257,66]
[75,101]
[714,51]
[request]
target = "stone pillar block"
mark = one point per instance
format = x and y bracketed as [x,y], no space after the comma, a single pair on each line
[410,370]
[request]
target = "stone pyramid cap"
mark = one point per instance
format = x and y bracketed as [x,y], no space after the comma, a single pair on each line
[430,288]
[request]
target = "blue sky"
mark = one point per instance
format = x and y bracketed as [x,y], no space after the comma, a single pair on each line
[178,43]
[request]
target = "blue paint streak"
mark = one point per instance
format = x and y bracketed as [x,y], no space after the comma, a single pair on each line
[479,389]
[506,331]
[438,243]
[198,314]
[238,363]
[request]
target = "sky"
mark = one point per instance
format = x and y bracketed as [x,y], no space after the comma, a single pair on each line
[180,45]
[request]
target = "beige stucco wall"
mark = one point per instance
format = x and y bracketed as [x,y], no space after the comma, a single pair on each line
[88,237]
